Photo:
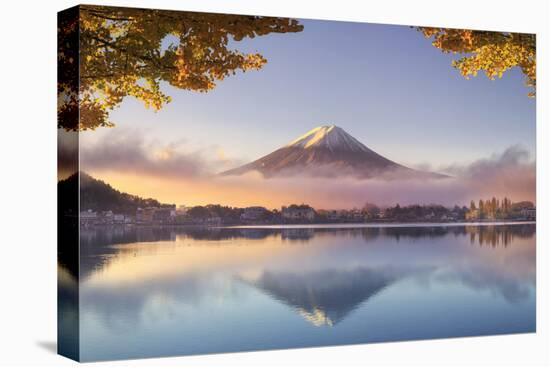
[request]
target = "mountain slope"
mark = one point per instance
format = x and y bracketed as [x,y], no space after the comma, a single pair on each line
[99,196]
[328,151]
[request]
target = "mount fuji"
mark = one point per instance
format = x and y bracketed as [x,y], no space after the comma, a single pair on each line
[328,151]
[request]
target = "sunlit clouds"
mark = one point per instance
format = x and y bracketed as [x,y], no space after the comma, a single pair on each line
[175,173]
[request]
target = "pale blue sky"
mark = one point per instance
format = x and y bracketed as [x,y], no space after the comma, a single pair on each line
[385,85]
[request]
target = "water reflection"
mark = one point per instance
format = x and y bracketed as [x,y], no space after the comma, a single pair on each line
[281,287]
[97,243]
[326,297]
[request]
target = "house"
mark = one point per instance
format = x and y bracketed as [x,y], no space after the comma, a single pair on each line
[430,216]
[298,213]
[357,215]
[107,217]
[333,215]
[529,213]
[182,210]
[213,221]
[88,218]
[163,215]
[254,213]
[145,215]
[118,219]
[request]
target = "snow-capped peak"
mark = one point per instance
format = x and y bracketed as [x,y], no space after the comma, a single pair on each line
[328,136]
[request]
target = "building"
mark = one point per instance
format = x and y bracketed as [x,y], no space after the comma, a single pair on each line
[118,219]
[529,213]
[182,210]
[333,215]
[430,216]
[156,215]
[88,218]
[298,213]
[254,213]
[107,217]
[213,221]
[145,215]
[357,215]
[163,215]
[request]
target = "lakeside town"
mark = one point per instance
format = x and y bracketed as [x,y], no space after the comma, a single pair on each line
[216,215]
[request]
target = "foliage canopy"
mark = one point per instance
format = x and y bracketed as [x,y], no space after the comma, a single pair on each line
[492,52]
[120,52]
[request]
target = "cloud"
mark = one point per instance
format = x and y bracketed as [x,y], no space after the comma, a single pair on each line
[130,152]
[510,174]
[512,159]
[67,153]
[173,173]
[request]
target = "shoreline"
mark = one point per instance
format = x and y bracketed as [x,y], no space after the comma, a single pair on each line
[316,225]
[378,225]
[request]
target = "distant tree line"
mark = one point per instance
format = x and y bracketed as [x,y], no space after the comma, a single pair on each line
[96,195]
[99,196]
[432,212]
[498,209]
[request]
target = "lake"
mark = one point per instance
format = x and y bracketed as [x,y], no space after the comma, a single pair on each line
[150,292]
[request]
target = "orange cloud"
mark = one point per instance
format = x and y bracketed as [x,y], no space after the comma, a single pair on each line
[171,175]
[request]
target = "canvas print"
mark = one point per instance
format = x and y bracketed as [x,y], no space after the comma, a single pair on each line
[234,183]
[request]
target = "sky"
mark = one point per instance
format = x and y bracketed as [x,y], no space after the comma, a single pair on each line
[385,85]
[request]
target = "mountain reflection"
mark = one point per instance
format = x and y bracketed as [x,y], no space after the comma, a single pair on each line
[326,297]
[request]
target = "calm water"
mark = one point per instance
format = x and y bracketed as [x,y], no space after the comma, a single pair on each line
[159,292]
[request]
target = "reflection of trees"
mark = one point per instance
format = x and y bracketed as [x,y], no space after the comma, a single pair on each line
[496,236]
[297,234]
[96,242]
[421,231]
[493,235]
[105,236]
[108,53]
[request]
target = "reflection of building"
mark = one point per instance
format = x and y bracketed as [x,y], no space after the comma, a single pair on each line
[254,233]
[298,212]
[297,233]
[254,213]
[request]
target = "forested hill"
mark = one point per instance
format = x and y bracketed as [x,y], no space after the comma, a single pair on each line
[98,195]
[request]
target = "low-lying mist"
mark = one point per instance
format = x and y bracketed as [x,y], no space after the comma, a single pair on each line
[170,174]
